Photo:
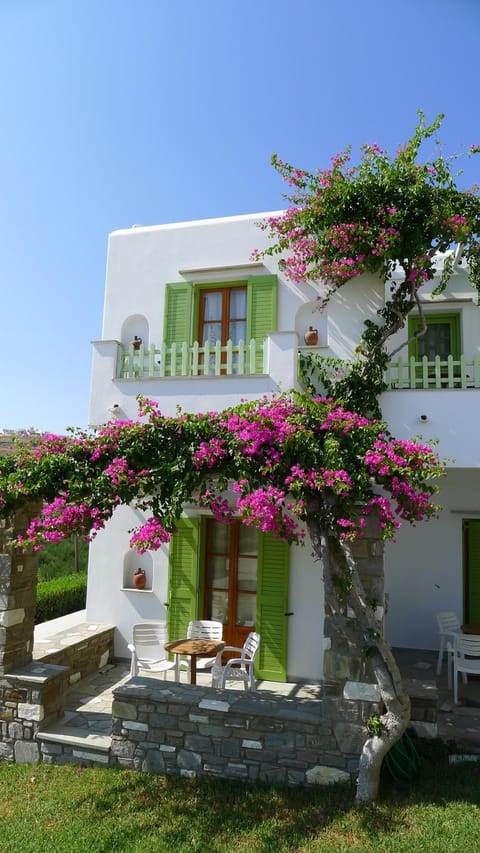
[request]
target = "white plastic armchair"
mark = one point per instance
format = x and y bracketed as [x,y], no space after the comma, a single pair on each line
[466,659]
[238,668]
[448,626]
[202,629]
[148,648]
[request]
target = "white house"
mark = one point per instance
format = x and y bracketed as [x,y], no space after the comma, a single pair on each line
[185,290]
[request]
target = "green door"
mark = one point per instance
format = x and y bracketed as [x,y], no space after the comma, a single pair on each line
[187,600]
[272,607]
[471,570]
[183,577]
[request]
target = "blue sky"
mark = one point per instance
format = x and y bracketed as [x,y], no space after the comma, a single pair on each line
[116,112]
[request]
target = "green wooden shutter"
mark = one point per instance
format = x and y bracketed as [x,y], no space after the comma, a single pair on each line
[471,534]
[177,323]
[183,577]
[261,309]
[272,605]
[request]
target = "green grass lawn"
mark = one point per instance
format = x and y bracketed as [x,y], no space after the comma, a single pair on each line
[74,810]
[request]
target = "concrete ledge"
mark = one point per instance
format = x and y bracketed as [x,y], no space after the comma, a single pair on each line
[75,737]
[84,648]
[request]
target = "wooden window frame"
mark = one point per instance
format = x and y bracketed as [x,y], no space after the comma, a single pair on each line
[226,289]
[232,590]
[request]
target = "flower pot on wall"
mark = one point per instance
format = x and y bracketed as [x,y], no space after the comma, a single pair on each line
[139,579]
[311,337]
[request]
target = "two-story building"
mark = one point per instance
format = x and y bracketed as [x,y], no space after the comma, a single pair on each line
[189,321]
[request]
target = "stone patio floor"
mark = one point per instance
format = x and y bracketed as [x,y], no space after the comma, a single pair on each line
[89,702]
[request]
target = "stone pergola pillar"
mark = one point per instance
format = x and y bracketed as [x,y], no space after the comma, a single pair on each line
[31,694]
[18,591]
[351,691]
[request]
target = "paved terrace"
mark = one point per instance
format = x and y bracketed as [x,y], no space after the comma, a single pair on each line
[89,700]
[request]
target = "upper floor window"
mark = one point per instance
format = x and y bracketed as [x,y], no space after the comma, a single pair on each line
[442,337]
[223,315]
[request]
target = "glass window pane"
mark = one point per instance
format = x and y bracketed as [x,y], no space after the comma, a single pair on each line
[219,538]
[246,606]
[212,332]
[247,573]
[218,606]
[436,341]
[238,304]
[212,306]
[247,540]
[218,568]
[237,331]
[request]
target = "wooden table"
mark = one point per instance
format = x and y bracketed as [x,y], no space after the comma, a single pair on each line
[470,628]
[195,649]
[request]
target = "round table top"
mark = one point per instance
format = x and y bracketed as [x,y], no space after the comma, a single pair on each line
[198,648]
[471,628]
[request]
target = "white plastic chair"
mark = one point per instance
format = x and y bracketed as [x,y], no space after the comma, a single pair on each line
[466,659]
[202,629]
[239,668]
[148,648]
[448,626]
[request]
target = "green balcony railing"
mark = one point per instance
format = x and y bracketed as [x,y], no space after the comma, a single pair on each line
[191,360]
[439,373]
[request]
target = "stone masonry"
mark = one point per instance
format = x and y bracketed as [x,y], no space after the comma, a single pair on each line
[31,694]
[179,729]
[349,685]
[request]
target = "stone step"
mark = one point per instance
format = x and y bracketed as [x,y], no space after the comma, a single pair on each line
[61,744]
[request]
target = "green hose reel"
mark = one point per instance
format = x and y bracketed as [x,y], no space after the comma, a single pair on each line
[402,761]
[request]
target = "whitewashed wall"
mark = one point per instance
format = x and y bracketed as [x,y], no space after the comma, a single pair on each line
[423,571]
[424,567]
[111,563]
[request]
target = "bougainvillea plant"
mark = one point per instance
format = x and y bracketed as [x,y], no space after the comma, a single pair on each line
[391,216]
[284,465]
[293,464]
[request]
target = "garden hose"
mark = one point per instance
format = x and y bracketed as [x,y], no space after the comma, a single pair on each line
[402,761]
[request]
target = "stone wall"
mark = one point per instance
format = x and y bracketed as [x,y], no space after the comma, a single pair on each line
[165,727]
[18,593]
[350,688]
[30,698]
[31,694]
[82,648]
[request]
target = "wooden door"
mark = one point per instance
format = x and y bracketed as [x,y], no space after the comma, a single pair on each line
[231,561]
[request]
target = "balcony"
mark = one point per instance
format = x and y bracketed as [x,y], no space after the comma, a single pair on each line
[426,375]
[175,360]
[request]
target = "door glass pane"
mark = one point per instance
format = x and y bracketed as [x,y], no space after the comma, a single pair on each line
[212,332]
[218,568]
[247,573]
[212,306]
[247,540]
[237,331]
[217,606]
[219,537]
[238,304]
[246,606]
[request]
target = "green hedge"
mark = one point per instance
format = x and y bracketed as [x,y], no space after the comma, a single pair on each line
[60,596]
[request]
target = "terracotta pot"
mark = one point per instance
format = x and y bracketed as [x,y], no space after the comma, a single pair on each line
[311,337]
[139,579]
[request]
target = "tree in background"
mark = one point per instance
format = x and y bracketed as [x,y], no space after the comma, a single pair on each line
[63,558]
